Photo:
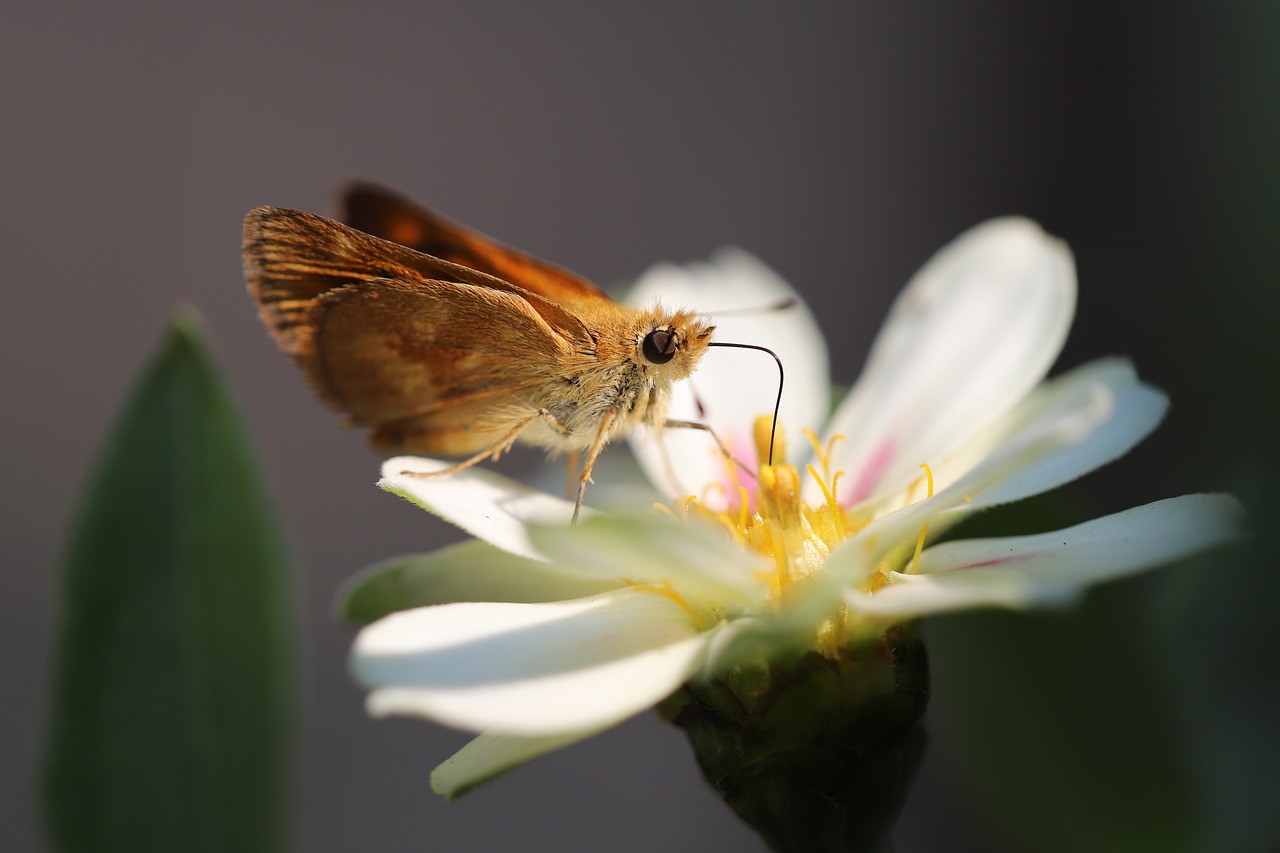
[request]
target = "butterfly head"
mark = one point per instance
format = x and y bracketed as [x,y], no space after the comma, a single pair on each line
[669,345]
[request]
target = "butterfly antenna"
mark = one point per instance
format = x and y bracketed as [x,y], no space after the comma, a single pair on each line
[777,405]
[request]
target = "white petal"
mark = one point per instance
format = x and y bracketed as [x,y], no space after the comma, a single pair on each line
[468,571]
[754,638]
[486,505]
[697,560]
[971,334]
[529,669]
[1102,403]
[734,386]
[490,755]
[1074,424]
[1054,568]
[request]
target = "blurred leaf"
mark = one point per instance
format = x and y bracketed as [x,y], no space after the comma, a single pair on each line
[1062,729]
[1217,649]
[169,721]
[1216,622]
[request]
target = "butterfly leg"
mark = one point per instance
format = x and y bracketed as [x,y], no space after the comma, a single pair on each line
[670,424]
[601,439]
[571,472]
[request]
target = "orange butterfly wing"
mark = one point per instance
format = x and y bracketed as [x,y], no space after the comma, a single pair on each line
[398,339]
[378,211]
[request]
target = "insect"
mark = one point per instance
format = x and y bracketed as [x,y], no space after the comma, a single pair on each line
[447,343]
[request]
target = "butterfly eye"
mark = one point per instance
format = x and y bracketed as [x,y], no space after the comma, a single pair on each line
[659,346]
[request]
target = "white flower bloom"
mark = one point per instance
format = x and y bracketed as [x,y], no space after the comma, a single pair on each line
[950,416]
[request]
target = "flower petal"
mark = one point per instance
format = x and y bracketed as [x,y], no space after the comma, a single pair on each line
[1054,568]
[1103,403]
[971,334]
[697,561]
[1070,426]
[486,505]
[529,669]
[468,571]
[489,756]
[734,387]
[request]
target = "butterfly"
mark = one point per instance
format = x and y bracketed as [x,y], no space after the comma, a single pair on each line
[445,342]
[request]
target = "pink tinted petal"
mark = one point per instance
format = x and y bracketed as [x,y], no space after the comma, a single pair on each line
[1054,568]
[970,335]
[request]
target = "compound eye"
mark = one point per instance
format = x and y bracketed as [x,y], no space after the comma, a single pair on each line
[659,346]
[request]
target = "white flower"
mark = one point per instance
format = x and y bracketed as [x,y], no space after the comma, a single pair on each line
[559,632]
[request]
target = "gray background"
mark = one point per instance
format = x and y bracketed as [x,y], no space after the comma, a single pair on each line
[840,142]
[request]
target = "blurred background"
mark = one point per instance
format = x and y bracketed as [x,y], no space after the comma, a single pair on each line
[842,143]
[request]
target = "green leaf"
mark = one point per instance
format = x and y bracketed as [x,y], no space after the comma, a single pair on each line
[172,692]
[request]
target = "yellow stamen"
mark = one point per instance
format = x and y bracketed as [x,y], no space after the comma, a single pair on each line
[723,520]
[782,510]
[667,592]
[818,452]
[823,454]
[915,561]
[928,472]
[743,515]
[837,517]
[665,510]
[764,431]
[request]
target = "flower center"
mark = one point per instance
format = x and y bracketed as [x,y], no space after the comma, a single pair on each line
[774,520]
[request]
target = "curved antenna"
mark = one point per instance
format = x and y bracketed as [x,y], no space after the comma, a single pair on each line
[777,405]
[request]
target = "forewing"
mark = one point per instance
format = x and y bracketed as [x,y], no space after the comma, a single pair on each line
[394,349]
[377,211]
[295,260]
